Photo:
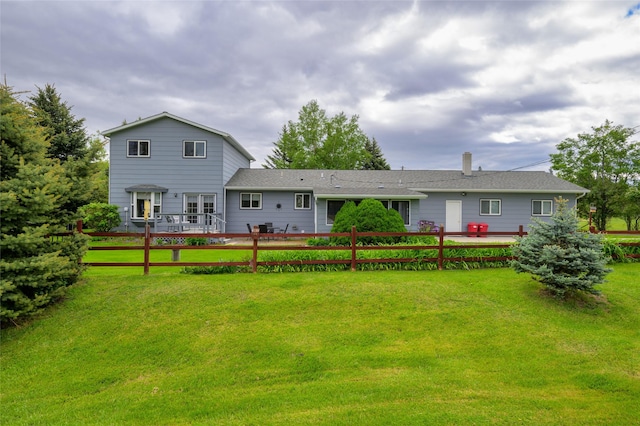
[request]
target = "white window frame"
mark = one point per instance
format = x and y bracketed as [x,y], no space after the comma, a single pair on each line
[253,196]
[491,202]
[137,210]
[302,201]
[326,212]
[542,204]
[195,149]
[391,206]
[138,142]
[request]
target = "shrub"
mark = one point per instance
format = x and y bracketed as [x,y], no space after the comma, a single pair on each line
[369,216]
[210,270]
[561,257]
[195,241]
[101,217]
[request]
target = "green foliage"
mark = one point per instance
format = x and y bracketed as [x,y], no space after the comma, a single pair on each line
[195,241]
[211,270]
[319,142]
[317,242]
[66,134]
[559,256]
[606,162]
[35,269]
[376,160]
[101,217]
[369,216]
[631,207]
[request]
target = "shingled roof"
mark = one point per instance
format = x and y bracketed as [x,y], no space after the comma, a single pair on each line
[398,183]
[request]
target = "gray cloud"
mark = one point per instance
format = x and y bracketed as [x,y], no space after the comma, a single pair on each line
[429,80]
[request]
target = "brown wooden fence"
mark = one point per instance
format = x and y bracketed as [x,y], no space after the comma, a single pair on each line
[257,242]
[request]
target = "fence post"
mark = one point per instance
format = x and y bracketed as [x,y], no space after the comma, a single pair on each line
[441,247]
[254,258]
[353,249]
[78,226]
[147,245]
[521,231]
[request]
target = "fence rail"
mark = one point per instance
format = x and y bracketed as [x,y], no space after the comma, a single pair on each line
[257,244]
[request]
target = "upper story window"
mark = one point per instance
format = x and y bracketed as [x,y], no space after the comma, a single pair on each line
[250,200]
[194,149]
[490,207]
[138,148]
[541,207]
[303,201]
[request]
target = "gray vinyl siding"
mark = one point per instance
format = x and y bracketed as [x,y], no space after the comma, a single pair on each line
[515,209]
[233,161]
[300,221]
[166,166]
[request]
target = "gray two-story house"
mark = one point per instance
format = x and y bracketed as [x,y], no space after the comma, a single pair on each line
[175,165]
[199,176]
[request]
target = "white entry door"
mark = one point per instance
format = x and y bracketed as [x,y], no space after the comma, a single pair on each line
[453,216]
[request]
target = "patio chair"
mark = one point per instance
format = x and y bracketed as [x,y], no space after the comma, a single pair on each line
[171,227]
[249,228]
[269,226]
[284,231]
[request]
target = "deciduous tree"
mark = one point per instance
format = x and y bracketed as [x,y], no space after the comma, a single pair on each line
[316,141]
[605,161]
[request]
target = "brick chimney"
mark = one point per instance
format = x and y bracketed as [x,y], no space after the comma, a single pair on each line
[466,164]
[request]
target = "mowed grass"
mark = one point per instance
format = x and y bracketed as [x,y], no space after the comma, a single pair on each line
[364,348]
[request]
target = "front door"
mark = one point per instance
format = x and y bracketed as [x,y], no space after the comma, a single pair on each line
[453,216]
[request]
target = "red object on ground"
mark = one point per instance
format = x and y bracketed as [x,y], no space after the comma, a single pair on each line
[472,229]
[482,229]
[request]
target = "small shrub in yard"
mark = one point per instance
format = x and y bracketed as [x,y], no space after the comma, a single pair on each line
[369,216]
[210,270]
[195,241]
[100,216]
[561,257]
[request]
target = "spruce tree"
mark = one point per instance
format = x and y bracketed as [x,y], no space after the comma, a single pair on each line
[34,267]
[376,160]
[66,134]
[560,256]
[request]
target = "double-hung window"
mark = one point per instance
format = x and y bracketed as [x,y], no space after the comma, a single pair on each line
[250,200]
[138,148]
[138,200]
[303,201]
[194,149]
[541,207]
[490,207]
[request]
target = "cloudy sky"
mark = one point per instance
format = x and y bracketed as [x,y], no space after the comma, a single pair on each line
[506,80]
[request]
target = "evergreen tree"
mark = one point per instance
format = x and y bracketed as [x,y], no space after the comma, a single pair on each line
[35,269]
[375,160]
[67,136]
[561,257]
[81,157]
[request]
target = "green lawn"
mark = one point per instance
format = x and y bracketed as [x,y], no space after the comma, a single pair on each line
[363,348]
